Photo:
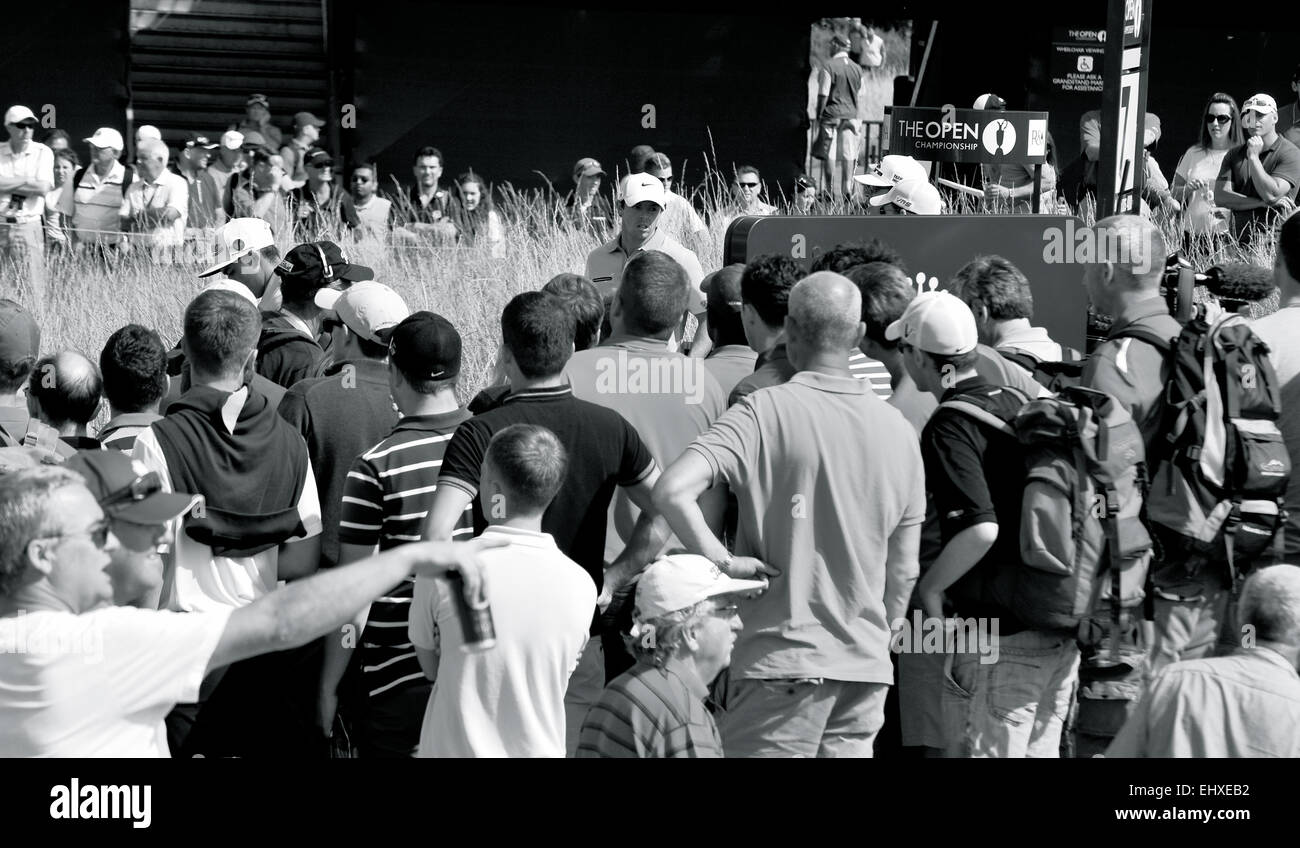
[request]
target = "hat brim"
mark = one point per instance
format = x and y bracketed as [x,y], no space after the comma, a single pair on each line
[26,122]
[212,269]
[894,331]
[733,586]
[327,297]
[158,508]
[882,199]
[1263,110]
[873,180]
[592,172]
[356,273]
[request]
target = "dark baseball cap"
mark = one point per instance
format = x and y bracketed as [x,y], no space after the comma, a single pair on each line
[425,346]
[126,489]
[20,338]
[260,99]
[195,139]
[317,158]
[322,262]
[723,285]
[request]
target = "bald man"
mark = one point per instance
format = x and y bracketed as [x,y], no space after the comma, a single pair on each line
[832,518]
[63,393]
[156,204]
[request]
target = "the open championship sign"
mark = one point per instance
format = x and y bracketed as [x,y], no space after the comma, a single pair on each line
[968,135]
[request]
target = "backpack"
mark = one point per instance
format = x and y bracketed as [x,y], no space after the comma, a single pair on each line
[1054,375]
[127,176]
[1221,471]
[1084,551]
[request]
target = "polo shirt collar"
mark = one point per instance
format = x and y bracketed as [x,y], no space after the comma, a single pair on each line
[366,367]
[687,675]
[736,350]
[655,242]
[1271,657]
[531,395]
[627,341]
[296,322]
[775,355]
[434,421]
[1149,308]
[963,386]
[520,536]
[1021,335]
[829,383]
[116,174]
[130,419]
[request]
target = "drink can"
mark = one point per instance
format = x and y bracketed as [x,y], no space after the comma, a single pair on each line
[476,627]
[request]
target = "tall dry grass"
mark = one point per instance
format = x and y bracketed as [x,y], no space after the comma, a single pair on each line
[86,300]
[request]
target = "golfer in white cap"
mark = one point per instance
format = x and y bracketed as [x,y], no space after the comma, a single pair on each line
[245,254]
[686,621]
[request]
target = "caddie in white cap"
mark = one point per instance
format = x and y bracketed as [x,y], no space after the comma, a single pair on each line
[937,336]
[245,253]
[685,627]
[889,172]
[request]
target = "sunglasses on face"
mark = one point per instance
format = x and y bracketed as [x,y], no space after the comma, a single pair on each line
[97,534]
[748,185]
[1218,119]
[726,612]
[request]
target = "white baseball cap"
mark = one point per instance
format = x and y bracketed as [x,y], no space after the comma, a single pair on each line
[106,137]
[638,187]
[232,139]
[891,171]
[148,131]
[936,322]
[231,286]
[19,113]
[916,196]
[368,308]
[1262,103]
[237,238]
[681,581]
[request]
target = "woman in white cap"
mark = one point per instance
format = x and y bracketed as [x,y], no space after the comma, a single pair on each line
[686,622]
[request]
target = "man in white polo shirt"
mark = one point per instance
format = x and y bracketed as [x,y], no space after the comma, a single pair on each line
[26,174]
[157,202]
[642,200]
[100,189]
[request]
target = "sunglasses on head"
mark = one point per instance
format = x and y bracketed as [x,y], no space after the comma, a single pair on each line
[1218,119]
[137,490]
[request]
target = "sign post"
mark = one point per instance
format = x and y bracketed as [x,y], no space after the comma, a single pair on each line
[1124,107]
[970,135]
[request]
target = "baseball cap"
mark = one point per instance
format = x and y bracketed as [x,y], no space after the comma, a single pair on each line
[840,40]
[259,99]
[936,322]
[1150,130]
[639,187]
[302,119]
[20,115]
[317,158]
[990,101]
[322,261]
[237,238]
[587,167]
[126,489]
[198,140]
[1262,103]
[231,286]
[106,137]
[369,309]
[891,170]
[232,139]
[148,131]
[20,338]
[680,581]
[914,195]
[723,285]
[427,345]
[254,139]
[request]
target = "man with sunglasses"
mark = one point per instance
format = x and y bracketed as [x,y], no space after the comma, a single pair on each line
[1258,178]
[85,678]
[680,218]
[748,186]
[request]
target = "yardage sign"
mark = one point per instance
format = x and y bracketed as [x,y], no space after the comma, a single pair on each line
[968,135]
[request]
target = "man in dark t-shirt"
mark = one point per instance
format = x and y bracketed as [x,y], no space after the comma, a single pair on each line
[605,452]
[1258,179]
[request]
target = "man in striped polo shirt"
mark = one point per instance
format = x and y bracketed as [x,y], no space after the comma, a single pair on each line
[685,629]
[385,501]
[134,367]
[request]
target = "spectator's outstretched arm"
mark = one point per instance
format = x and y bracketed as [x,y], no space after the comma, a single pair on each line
[296,614]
